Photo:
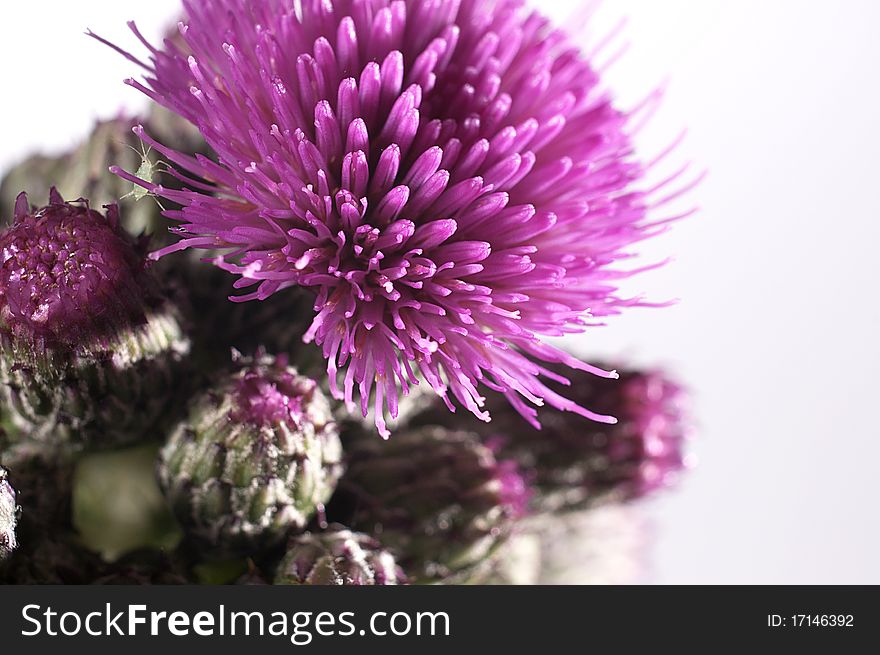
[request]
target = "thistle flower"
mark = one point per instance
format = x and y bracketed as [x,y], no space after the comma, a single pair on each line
[255,459]
[8,516]
[89,348]
[574,464]
[439,499]
[448,178]
[338,557]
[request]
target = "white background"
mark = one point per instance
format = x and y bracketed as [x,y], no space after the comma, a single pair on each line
[777,331]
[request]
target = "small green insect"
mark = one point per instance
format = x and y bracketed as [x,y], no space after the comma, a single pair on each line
[147,170]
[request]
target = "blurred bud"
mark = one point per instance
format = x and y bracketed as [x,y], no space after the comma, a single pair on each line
[337,557]
[117,506]
[257,457]
[253,577]
[89,348]
[438,499]
[573,463]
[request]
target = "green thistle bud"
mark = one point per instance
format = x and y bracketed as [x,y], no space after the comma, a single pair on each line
[338,557]
[439,499]
[89,348]
[8,516]
[256,458]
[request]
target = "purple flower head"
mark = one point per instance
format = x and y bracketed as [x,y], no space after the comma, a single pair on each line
[448,177]
[69,275]
[271,393]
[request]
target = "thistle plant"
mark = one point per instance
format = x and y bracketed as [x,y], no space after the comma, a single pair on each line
[383,211]
[91,350]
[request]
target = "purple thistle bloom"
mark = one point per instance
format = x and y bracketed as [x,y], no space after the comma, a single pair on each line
[91,351]
[448,177]
[70,275]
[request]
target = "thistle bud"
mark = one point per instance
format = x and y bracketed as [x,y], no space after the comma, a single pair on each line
[89,348]
[574,463]
[255,459]
[439,499]
[579,465]
[8,516]
[338,557]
